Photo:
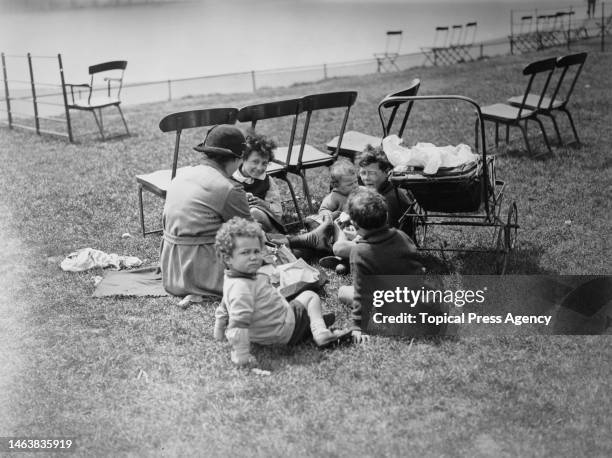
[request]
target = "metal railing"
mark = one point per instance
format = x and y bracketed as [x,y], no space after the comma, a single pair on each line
[23,93]
[535,29]
[46,102]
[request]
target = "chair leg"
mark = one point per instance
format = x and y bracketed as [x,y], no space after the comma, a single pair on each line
[142,224]
[294,198]
[544,134]
[569,116]
[101,121]
[123,119]
[556,126]
[524,131]
[306,190]
[100,128]
[496,134]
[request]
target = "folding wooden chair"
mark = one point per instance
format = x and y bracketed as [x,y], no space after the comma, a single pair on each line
[299,159]
[467,41]
[570,67]
[107,75]
[386,61]
[452,54]
[561,28]
[355,142]
[519,115]
[526,39]
[440,43]
[284,108]
[157,182]
[545,37]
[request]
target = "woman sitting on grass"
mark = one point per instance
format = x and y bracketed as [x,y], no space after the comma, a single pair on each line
[262,193]
[198,202]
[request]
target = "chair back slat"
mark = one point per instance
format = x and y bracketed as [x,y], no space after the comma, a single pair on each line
[106,66]
[198,118]
[544,66]
[572,59]
[176,122]
[393,42]
[540,66]
[324,101]
[525,25]
[565,62]
[470,33]
[389,102]
[328,100]
[456,35]
[269,110]
[440,36]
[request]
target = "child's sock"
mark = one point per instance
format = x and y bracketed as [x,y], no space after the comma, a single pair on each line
[320,333]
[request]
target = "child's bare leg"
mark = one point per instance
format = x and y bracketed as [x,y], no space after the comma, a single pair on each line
[312,302]
[262,219]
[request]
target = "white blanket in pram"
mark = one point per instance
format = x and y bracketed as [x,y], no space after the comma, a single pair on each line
[426,155]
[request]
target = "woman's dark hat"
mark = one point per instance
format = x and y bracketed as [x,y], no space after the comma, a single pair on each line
[223,140]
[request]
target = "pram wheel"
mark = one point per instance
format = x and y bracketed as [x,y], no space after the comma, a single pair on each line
[414,224]
[501,250]
[511,228]
[419,225]
[506,239]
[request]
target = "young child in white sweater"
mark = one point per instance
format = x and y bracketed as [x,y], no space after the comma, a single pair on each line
[252,310]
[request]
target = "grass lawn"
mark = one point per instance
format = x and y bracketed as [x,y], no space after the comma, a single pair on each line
[140,376]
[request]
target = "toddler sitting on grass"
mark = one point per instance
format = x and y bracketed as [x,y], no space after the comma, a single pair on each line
[263,194]
[343,181]
[252,310]
[380,250]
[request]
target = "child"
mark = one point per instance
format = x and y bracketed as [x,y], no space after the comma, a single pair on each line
[380,250]
[343,182]
[262,193]
[252,310]
[374,170]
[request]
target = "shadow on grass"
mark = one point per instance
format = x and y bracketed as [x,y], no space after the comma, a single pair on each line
[523,260]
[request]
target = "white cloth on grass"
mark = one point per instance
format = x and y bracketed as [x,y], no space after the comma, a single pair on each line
[88,258]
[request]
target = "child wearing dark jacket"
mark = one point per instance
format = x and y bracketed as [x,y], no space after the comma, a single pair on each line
[380,250]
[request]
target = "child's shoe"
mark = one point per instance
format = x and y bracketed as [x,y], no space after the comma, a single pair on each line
[330,262]
[329,338]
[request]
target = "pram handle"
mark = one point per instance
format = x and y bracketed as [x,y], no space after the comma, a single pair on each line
[479,127]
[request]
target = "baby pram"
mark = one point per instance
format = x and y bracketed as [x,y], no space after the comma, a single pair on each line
[467,195]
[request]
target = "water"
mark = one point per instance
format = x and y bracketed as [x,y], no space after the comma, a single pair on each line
[176,40]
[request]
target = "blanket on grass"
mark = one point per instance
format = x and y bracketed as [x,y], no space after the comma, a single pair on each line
[146,281]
